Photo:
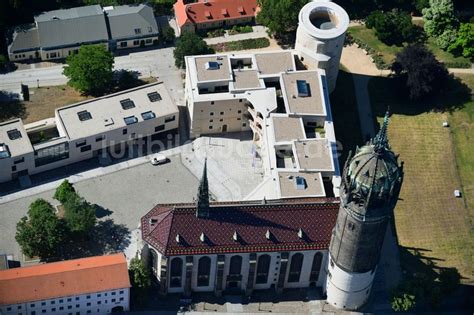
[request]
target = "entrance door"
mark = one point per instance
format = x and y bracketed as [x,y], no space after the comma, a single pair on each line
[224,128]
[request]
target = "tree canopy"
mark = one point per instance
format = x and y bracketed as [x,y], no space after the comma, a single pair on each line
[424,75]
[41,232]
[79,214]
[64,191]
[280,16]
[190,44]
[90,70]
[393,27]
[464,42]
[440,22]
[140,275]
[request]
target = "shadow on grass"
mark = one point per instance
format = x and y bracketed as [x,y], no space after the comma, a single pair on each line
[105,238]
[388,91]
[435,288]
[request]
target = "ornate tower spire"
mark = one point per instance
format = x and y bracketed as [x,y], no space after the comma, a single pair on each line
[380,141]
[202,206]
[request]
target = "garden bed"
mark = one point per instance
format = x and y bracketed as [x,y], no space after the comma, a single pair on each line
[245,44]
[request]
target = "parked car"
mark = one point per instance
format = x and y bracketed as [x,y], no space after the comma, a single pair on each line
[158,158]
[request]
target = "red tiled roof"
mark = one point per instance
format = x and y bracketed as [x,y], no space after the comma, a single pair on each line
[316,217]
[65,278]
[214,10]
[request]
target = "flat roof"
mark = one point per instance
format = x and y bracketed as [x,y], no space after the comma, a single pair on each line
[310,184]
[314,154]
[223,72]
[297,103]
[107,112]
[65,278]
[287,128]
[246,79]
[21,144]
[274,62]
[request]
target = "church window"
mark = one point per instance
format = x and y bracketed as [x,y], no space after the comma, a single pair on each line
[295,267]
[176,272]
[316,267]
[204,271]
[263,267]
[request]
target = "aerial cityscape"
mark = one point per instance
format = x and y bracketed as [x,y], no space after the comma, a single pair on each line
[236,156]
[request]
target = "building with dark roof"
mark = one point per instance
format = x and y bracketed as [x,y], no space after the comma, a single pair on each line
[209,14]
[60,33]
[239,246]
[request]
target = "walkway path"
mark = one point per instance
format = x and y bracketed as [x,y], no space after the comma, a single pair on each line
[258,32]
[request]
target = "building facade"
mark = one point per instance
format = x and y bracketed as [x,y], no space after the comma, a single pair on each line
[370,188]
[102,128]
[95,285]
[210,14]
[60,33]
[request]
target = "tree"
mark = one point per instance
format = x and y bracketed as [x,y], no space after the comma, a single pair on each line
[90,71]
[421,71]
[64,191]
[41,232]
[140,275]
[449,280]
[168,34]
[393,27]
[440,22]
[190,44]
[403,302]
[79,214]
[3,63]
[464,42]
[280,16]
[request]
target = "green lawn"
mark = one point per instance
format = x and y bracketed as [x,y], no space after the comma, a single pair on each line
[388,52]
[427,216]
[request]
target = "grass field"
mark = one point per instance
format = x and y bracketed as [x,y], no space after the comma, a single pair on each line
[427,216]
[388,52]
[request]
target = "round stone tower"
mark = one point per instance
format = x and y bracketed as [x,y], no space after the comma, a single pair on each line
[320,37]
[369,191]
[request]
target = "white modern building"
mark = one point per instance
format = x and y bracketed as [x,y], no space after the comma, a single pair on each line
[94,128]
[95,285]
[320,37]
[286,107]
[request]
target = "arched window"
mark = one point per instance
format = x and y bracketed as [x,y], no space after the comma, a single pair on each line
[263,267]
[295,267]
[176,272]
[204,271]
[316,267]
[235,265]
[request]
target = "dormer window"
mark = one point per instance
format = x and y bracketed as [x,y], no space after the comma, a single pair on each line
[138,31]
[208,15]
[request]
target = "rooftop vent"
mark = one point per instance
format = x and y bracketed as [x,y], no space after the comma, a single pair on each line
[108,121]
[153,221]
[178,238]
[212,65]
[235,237]
[268,235]
[300,233]
[302,88]
[202,237]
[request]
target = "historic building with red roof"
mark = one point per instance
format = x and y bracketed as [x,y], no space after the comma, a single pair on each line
[93,285]
[209,14]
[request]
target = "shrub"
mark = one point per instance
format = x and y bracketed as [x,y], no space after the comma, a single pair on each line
[440,22]
[403,302]
[464,41]
[445,39]
[64,191]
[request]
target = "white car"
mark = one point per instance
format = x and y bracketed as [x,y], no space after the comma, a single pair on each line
[157,159]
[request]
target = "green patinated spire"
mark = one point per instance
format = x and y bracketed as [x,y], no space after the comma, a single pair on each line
[380,141]
[202,207]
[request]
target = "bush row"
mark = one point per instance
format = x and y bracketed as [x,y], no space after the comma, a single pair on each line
[376,57]
[245,44]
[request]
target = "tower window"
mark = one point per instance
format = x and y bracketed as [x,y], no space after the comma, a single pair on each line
[350,226]
[332,263]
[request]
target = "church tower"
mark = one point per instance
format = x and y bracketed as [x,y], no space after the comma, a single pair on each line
[369,192]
